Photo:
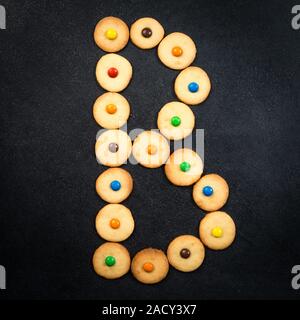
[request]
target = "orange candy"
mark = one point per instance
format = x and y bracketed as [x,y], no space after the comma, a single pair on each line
[177,51]
[152,149]
[111,108]
[115,223]
[148,267]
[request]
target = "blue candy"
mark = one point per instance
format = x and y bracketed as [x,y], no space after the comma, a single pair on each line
[208,191]
[193,87]
[115,185]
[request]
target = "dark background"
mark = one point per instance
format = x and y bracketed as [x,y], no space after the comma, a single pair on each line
[48,168]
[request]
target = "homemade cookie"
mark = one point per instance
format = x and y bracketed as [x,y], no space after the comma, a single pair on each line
[186,253]
[192,85]
[217,230]
[184,167]
[114,185]
[111,260]
[111,110]
[150,266]
[151,149]
[111,34]
[177,51]
[113,148]
[176,120]
[114,222]
[146,33]
[113,72]
[211,192]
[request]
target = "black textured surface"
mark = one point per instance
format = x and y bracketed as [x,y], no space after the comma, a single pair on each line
[48,168]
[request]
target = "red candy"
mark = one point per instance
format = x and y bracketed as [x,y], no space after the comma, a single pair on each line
[112,72]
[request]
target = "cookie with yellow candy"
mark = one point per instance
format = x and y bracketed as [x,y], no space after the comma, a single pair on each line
[111,260]
[192,85]
[114,222]
[111,34]
[146,33]
[113,148]
[113,72]
[150,266]
[186,253]
[211,192]
[177,51]
[184,167]
[217,230]
[176,120]
[151,149]
[114,185]
[111,110]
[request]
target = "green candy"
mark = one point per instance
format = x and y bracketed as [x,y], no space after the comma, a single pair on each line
[110,261]
[185,166]
[175,121]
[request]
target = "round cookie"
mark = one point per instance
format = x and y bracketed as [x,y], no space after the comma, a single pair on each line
[151,149]
[150,266]
[111,34]
[192,85]
[176,120]
[177,51]
[114,222]
[186,253]
[114,185]
[184,167]
[217,230]
[113,148]
[113,72]
[111,260]
[146,33]
[211,192]
[111,110]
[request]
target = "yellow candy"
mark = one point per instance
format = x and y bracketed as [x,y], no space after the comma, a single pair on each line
[111,34]
[217,232]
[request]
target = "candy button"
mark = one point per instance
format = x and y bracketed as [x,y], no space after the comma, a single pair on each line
[111,34]
[175,121]
[113,147]
[185,253]
[148,267]
[208,191]
[217,232]
[146,32]
[177,52]
[115,185]
[113,72]
[115,223]
[193,87]
[110,261]
[111,108]
[185,166]
[151,149]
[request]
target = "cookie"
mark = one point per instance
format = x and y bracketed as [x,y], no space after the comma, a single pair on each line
[151,149]
[150,266]
[217,230]
[176,120]
[146,33]
[114,222]
[111,260]
[177,51]
[111,110]
[111,34]
[113,72]
[211,192]
[192,85]
[113,148]
[186,253]
[184,167]
[114,185]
